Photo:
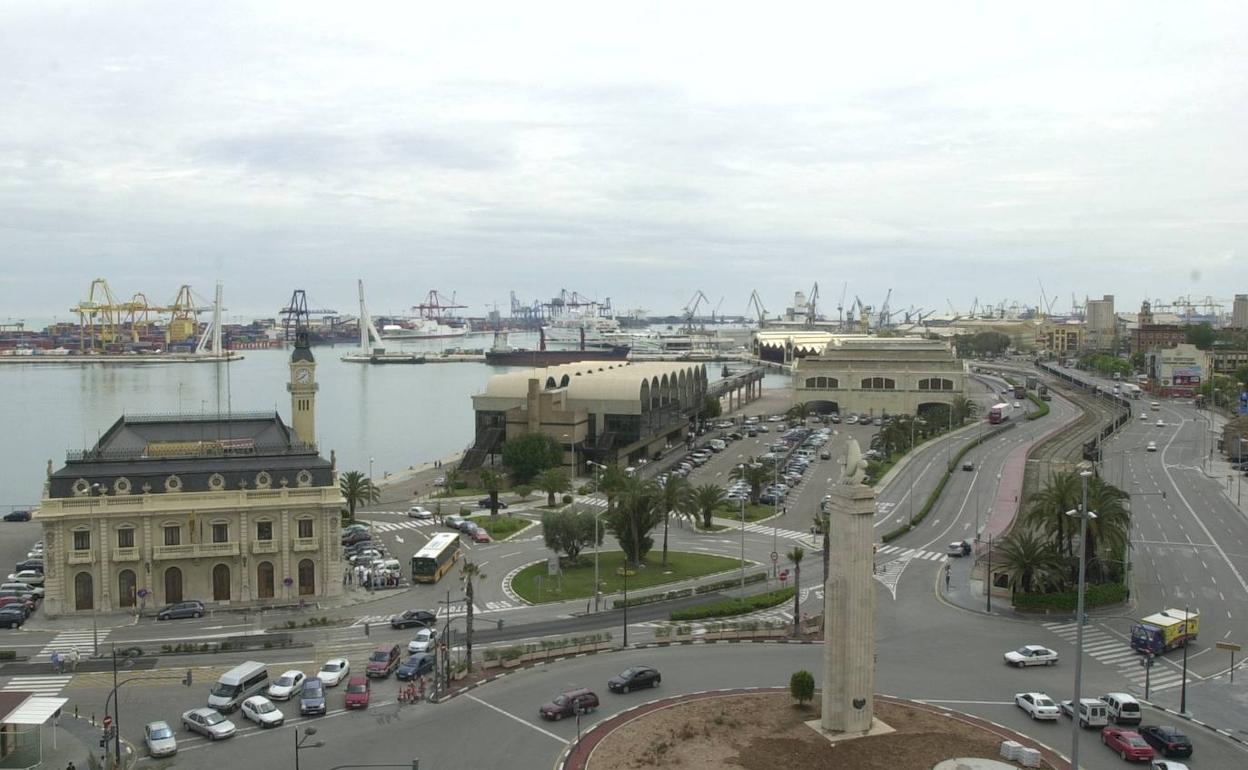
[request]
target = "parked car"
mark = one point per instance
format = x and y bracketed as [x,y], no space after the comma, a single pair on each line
[968,466]
[485,503]
[1160,423]
[1036,705]
[1092,712]
[425,639]
[1126,743]
[188,609]
[568,704]
[1167,740]
[35,565]
[208,723]
[419,664]
[159,740]
[410,618]
[384,660]
[419,512]
[958,548]
[356,536]
[17,516]
[1167,764]
[632,678]
[288,685]
[13,615]
[312,698]
[454,521]
[261,710]
[358,688]
[1031,655]
[479,535]
[334,671]
[28,576]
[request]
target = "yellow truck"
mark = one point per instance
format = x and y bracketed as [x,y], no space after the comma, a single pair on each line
[1166,630]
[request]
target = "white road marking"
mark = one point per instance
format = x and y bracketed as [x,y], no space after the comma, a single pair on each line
[524,722]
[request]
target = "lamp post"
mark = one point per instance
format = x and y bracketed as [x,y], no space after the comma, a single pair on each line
[597,592]
[1187,618]
[743,544]
[1084,514]
[301,744]
[572,447]
[95,630]
[626,601]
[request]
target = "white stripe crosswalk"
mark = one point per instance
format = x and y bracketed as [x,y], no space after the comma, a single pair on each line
[83,640]
[393,526]
[1112,651]
[910,553]
[47,686]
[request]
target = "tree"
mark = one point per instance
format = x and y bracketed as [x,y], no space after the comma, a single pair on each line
[795,557]
[706,499]
[711,408]
[522,492]
[569,532]
[553,481]
[963,409]
[799,411]
[1046,509]
[1028,560]
[1139,360]
[754,474]
[638,511]
[450,480]
[675,497]
[612,481]
[469,572]
[1201,335]
[1109,531]
[528,455]
[802,687]
[1241,374]
[357,489]
[491,482]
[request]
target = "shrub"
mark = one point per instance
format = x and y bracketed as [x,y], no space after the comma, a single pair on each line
[1096,595]
[730,607]
[523,491]
[567,499]
[802,687]
[8,654]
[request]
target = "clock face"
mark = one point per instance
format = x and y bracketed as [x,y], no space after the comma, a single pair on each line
[303,375]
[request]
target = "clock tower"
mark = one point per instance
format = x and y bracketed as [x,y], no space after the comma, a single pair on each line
[302,387]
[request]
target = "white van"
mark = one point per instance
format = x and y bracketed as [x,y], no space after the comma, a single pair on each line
[1122,708]
[1092,712]
[717,445]
[237,685]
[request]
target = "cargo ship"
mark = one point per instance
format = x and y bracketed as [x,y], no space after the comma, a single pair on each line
[502,355]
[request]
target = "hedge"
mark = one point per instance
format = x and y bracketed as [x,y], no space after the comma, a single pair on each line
[720,585]
[1096,595]
[730,607]
[1042,407]
[680,593]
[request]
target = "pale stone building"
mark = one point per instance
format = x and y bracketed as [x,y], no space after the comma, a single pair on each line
[235,509]
[879,375]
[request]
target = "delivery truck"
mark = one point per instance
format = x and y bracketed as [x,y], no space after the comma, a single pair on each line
[1166,630]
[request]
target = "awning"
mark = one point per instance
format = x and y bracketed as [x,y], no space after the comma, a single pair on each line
[35,711]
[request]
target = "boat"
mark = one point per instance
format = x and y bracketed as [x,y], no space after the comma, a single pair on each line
[370,350]
[421,329]
[502,355]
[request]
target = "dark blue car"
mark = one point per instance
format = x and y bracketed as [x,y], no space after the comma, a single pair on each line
[312,698]
[419,664]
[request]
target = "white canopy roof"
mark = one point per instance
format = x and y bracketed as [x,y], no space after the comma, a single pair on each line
[35,711]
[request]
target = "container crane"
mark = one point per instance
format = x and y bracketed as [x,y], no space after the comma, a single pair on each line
[757,304]
[812,298]
[840,316]
[691,307]
[884,314]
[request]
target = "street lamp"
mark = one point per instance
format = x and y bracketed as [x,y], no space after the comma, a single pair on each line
[572,445]
[302,744]
[743,546]
[1084,514]
[597,585]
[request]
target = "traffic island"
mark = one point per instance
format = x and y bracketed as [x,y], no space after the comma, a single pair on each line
[762,729]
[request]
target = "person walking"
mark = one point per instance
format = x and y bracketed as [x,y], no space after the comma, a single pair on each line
[948,575]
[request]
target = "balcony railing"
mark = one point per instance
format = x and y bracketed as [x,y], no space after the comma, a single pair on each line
[81,557]
[195,550]
[305,544]
[125,554]
[264,546]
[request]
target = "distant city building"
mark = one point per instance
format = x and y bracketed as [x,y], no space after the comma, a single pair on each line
[878,375]
[1179,371]
[235,509]
[1061,338]
[1101,323]
[1239,312]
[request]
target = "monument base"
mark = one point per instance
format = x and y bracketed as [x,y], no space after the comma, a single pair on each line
[835,737]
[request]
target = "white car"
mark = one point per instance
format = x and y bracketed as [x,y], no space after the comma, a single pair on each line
[159,740]
[1167,764]
[289,684]
[419,512]
[261,710]
[1152,447]
[1160,423]
[334,671]
[425,640]
[1031,655]
[27,576]
[1037,705]
[1144,416]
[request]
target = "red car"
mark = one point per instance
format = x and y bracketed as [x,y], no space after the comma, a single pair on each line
[1126,743]
[358,690]
[479,535]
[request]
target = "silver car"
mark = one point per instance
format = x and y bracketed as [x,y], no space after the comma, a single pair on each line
[159,739]
[208,723]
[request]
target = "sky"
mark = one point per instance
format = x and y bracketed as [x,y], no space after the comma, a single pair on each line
[642,152]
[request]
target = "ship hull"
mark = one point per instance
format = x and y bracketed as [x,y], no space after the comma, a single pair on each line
[538,358]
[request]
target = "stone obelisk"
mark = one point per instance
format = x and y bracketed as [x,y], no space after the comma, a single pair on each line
[849,604]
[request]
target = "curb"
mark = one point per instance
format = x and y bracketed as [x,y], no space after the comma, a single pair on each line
[1195,721]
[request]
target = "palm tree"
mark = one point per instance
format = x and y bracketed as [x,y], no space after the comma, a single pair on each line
[754,474]
[799,411]
[675,497]
[707,498]
[357,489]
[1029,559]
[963,408]
[1109,531]
[552,481]
[449,480]
[468,572]
[795,558]
[1046,509]
[491,482]
[613,480]
[637,512]
[823,521]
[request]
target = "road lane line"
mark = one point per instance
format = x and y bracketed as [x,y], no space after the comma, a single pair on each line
[522,721]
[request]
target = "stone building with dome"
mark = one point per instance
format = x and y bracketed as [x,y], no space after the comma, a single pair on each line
[232,510]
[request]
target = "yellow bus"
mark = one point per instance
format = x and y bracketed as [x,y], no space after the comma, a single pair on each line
[439,555]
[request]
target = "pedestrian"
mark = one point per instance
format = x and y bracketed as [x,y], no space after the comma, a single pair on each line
[56,662]
[346,573]
[948,576]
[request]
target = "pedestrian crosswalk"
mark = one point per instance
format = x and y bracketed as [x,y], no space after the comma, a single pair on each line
[85,640]
[393,526]
[763,529]
[909,553]
[1113,651]
[47,686]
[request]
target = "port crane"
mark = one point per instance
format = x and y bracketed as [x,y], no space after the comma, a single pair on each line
[691,308]
[885,316]
[104,321]
[811,299]
[757,304]
[297,317]
[435,306]
[840,307]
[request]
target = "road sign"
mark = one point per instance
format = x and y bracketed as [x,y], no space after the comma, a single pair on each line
[1232,646]
[775,557]
[108,721]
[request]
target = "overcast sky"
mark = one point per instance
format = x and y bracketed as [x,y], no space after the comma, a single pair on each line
[947,151]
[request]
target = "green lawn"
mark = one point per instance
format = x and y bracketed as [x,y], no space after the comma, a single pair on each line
[742,606]
[752,512]
[578,579]
[464,492]
[502,525]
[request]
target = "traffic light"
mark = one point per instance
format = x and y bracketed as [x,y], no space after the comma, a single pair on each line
[186,680]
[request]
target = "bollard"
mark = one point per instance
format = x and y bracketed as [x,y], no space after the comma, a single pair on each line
[500,624]
[366,628]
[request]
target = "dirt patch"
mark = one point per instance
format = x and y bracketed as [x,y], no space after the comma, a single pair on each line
[766,731]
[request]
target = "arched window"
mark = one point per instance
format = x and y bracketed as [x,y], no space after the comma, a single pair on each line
[879,383]
[126,587]
[307,578]
[84,591]
[221,583]
[563,382]
[173,585]
[935,383]
[550,383]
[264,579]
[812,382]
